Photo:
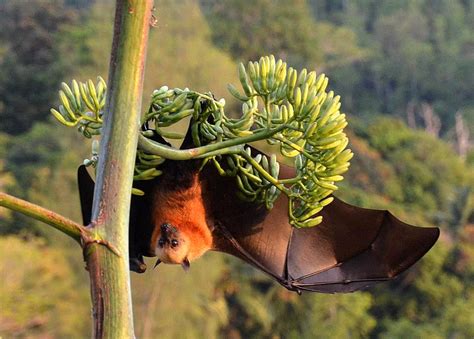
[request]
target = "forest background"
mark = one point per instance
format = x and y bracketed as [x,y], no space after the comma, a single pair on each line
[404,71]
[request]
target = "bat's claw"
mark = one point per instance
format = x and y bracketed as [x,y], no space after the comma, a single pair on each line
[137,265]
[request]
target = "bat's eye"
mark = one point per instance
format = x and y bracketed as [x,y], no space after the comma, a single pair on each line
[174,243]
[161,242]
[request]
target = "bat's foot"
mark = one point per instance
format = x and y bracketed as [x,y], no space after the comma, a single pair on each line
[137,265]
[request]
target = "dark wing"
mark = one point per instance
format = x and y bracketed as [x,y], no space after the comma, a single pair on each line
[139,220]
[86,193]
[351,249]
[354,248]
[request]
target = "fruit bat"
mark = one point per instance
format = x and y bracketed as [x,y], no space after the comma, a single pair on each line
[189,210]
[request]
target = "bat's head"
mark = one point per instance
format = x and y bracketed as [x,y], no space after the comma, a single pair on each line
[172,246]
[181,233]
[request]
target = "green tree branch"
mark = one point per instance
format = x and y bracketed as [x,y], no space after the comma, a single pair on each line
[225,147]
[63,224]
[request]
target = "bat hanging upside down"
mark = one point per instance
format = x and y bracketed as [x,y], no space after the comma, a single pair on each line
[186,212]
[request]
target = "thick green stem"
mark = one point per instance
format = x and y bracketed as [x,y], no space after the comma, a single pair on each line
[297,148]
[109,273]
[65,225]
[225,147]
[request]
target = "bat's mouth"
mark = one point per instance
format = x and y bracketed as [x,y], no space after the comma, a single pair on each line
[184,264]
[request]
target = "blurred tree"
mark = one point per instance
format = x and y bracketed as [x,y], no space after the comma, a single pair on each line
[171,304]
[42,163]
[184,49]
[458,211]
[434,304]
[427,169]
[80,4]
[260,308]
[31,151]
[418,53]
[31,67]
[7,180]
[283,28]
[181,47]
[371,173]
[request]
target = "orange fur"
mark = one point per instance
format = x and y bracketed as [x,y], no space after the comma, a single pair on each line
[184,209]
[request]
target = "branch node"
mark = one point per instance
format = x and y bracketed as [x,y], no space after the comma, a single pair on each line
[87,239]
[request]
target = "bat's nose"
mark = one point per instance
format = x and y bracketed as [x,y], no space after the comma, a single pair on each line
[165,228]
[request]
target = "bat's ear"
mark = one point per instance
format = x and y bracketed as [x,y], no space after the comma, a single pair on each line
[86,193]
[188,139]
[157,263]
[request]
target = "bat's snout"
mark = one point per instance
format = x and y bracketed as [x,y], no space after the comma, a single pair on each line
[168,229]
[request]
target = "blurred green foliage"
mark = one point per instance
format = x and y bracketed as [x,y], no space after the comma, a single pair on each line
[30,65]
[283,28]
[418,52]
[426,168]
[38,291]
[384,57]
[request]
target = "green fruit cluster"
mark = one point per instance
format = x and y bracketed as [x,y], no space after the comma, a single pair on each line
[286,108]
[82,105]
[256,175]
[308,128]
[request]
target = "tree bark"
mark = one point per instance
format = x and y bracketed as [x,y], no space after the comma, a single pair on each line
[109,272]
